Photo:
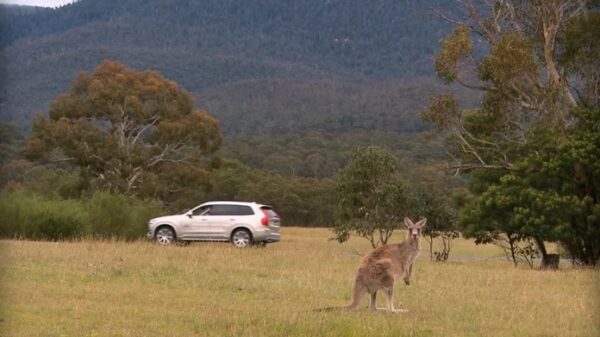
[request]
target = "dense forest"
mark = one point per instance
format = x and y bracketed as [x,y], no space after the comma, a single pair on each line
[326,65]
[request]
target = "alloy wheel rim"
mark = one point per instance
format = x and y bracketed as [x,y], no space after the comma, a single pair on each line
[241,239]
[164,236]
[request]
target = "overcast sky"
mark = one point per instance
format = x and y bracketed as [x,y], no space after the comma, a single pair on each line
[43,3]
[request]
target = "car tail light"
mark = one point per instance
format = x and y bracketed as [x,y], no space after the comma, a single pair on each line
[265,219]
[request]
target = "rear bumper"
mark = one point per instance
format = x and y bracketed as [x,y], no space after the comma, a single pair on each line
[270,239]
[267,235]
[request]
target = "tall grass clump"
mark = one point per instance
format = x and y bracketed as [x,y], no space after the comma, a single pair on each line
[28,215]
[117,216]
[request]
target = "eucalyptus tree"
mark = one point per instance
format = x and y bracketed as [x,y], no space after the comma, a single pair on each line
[372,199]
[536,65]
[133,132]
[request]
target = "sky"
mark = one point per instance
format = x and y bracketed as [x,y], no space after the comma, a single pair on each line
[43,3]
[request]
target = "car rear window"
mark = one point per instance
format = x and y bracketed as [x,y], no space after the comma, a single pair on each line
[231,210]
[270,211]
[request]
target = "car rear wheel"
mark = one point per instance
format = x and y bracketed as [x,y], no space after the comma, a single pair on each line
[241,238]
[165,236]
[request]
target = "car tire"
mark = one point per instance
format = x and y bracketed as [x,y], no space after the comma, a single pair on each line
[165,236]
[241,238]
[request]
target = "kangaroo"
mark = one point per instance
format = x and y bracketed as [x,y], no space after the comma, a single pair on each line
[379,269]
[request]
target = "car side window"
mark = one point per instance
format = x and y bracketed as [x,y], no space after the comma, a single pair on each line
[231,210]
[220,210]
[241,210]
[204,210]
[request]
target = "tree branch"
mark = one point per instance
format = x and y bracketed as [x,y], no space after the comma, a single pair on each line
[153,122]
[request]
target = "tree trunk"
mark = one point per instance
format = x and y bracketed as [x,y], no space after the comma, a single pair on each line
[431,248]
[550,261]
[513,254]
[542,248]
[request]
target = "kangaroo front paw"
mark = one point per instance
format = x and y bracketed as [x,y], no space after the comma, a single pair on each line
[407,281]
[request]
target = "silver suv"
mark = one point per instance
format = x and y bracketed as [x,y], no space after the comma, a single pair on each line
[241,223]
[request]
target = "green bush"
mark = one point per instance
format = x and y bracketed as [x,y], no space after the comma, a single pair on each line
[104,215]
[117,216]
[50,226]
[30,216]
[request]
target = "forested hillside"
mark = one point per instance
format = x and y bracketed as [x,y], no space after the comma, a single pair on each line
[259,66]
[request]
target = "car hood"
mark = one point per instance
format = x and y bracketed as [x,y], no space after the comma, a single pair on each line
[169,218]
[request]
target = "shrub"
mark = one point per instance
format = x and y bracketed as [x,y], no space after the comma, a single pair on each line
[118,216]
[50,226]
[30,216]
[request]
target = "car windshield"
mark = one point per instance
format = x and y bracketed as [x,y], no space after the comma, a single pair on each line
[187,210]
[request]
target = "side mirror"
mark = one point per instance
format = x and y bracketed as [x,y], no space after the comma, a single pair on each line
[189,214]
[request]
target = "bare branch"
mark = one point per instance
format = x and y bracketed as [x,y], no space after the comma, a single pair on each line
[133,178]
[474,15]
[474,86]
[443,16]
[169,149]
[152,123]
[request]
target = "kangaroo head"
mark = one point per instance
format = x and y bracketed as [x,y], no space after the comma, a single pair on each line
[414,229]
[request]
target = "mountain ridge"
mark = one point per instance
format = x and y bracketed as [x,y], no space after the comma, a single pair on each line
[222,51]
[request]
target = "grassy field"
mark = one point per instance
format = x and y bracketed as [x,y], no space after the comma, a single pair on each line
[95,288]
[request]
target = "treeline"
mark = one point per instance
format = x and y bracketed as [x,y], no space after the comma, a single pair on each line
[146,141]
[281,106]
[53,200]
[321,154]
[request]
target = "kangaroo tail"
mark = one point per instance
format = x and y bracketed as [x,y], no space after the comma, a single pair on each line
[358,293]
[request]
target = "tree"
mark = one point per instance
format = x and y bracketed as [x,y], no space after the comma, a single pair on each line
[535,62]
[441,220]
[10,142]
[512,212]
[371,197]
[531,60]
[132,131]
[551,195]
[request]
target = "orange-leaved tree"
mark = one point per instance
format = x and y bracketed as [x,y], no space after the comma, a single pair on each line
[132,132]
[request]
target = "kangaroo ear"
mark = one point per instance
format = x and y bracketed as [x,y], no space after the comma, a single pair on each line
[421,223]
[408,222]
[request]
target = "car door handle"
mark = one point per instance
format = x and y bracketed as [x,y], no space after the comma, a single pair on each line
[231,219]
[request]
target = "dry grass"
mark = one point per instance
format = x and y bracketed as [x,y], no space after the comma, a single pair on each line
[95,288]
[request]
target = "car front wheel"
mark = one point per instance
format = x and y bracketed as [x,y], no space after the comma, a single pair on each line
[241,238]
[165,236]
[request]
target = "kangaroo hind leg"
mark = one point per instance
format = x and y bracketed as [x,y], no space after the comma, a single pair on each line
[373,304]
[389,296]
